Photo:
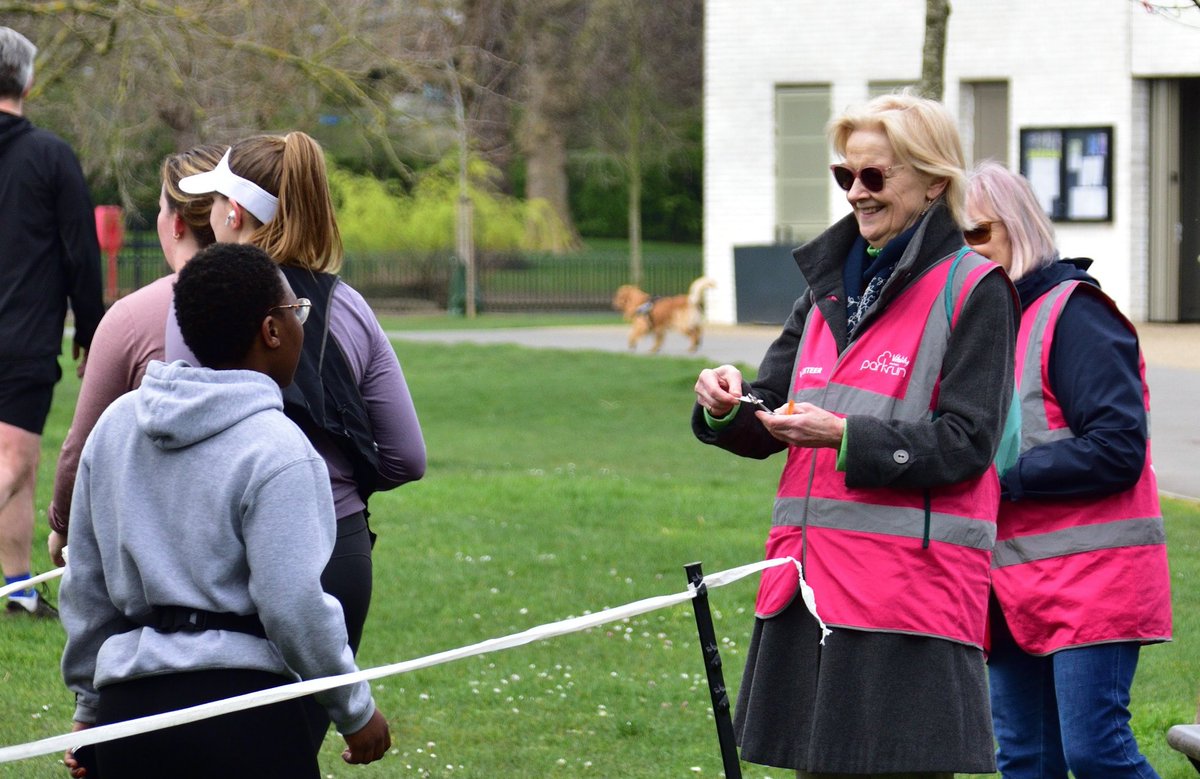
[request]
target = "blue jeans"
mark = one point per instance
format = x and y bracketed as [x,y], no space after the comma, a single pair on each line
[1064,711]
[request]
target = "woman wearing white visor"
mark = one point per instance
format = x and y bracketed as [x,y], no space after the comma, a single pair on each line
[349,395]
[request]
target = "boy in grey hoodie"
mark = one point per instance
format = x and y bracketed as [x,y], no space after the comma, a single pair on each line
[201,521]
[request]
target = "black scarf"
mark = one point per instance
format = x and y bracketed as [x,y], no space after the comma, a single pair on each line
[866,271]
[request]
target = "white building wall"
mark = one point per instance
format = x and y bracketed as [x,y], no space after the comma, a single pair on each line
[1165,43]
[750,49]
[1067,63]
[1055,84]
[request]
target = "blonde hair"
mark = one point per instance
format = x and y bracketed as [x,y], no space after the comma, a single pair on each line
[192,209]
[922,134]
[304,232]
[1008,195]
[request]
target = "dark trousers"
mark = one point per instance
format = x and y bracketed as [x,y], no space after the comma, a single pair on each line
[265,741]
[347,577]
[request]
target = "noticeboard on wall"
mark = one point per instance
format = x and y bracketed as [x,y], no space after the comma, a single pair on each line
[1070,170]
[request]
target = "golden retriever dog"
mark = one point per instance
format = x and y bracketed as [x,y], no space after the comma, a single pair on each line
[651,314]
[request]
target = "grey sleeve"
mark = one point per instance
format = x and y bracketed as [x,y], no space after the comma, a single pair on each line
[87,613]
[381,383]
[393,416]
[289,529]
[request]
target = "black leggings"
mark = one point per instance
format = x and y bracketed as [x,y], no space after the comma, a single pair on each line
[346,577]
[265,741]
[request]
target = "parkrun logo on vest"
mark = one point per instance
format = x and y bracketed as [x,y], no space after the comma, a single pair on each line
[888,363]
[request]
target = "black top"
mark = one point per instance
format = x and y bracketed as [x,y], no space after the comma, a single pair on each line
[323,398]
[48,248]
[1095,373]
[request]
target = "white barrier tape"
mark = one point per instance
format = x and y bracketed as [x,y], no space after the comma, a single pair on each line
[56,744]
[32,580]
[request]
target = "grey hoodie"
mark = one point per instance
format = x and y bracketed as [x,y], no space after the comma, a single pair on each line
[195,490]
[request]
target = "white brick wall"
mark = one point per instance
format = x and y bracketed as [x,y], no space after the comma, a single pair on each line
[1067,62]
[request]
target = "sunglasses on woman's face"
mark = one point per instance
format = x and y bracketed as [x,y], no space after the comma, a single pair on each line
[872,177]
[979,234]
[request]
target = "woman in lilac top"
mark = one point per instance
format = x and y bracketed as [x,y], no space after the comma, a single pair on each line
[349,395]
[131,334]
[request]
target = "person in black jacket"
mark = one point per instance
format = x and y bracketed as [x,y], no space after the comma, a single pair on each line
[1080,579]
[50,256]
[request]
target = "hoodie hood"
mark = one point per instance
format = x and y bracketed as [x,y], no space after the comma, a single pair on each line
[1033,285]
[178,405]
[12,127]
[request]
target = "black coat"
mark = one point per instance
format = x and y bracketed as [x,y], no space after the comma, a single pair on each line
[1095,373]
[977,374]
[866,702]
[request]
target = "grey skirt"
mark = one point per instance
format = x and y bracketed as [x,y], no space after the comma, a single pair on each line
[862,703]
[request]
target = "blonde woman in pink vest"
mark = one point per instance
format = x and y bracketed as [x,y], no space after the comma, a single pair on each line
[888,387]
[1080,577]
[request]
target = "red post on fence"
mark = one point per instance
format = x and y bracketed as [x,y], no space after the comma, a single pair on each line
[110,230]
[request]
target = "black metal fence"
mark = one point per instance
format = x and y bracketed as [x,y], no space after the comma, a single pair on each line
[139,263]
[506,281]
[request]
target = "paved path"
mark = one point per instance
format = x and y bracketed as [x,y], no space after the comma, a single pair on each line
[1172,356]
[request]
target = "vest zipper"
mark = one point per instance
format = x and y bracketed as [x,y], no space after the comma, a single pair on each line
[928,512]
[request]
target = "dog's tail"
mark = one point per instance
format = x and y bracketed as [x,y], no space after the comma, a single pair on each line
[696,290]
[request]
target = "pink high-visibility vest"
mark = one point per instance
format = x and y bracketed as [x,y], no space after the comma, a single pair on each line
[887,560]
[1077,571]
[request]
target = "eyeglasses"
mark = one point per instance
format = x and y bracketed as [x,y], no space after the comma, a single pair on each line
[872,177]
[301,307]
[980,233]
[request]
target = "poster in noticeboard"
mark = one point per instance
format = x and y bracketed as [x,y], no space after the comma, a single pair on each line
[1070,170]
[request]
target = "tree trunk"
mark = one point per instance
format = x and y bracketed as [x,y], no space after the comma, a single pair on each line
[933,59]
[546,110]
[486,62]
[546,169]
[633,156]
[635,221]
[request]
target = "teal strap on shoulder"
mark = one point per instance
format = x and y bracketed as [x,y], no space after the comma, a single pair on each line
[1010,436]
[949,296]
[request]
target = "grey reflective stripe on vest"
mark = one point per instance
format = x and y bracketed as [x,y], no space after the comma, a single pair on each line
[885,520]
[1035,428]
[1042,435]
[1073,540]
[923,372]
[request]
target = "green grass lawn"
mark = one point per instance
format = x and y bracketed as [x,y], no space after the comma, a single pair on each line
[561,483]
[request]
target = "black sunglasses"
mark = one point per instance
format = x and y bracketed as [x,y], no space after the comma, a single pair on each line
[980,233]
[872,177]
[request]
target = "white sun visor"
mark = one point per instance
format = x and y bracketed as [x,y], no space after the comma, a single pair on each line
[249,195]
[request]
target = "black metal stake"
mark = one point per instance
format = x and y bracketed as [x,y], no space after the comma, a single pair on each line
[712,666]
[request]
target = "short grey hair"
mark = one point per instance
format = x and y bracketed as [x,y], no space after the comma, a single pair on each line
[1009,196]
[16,63]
